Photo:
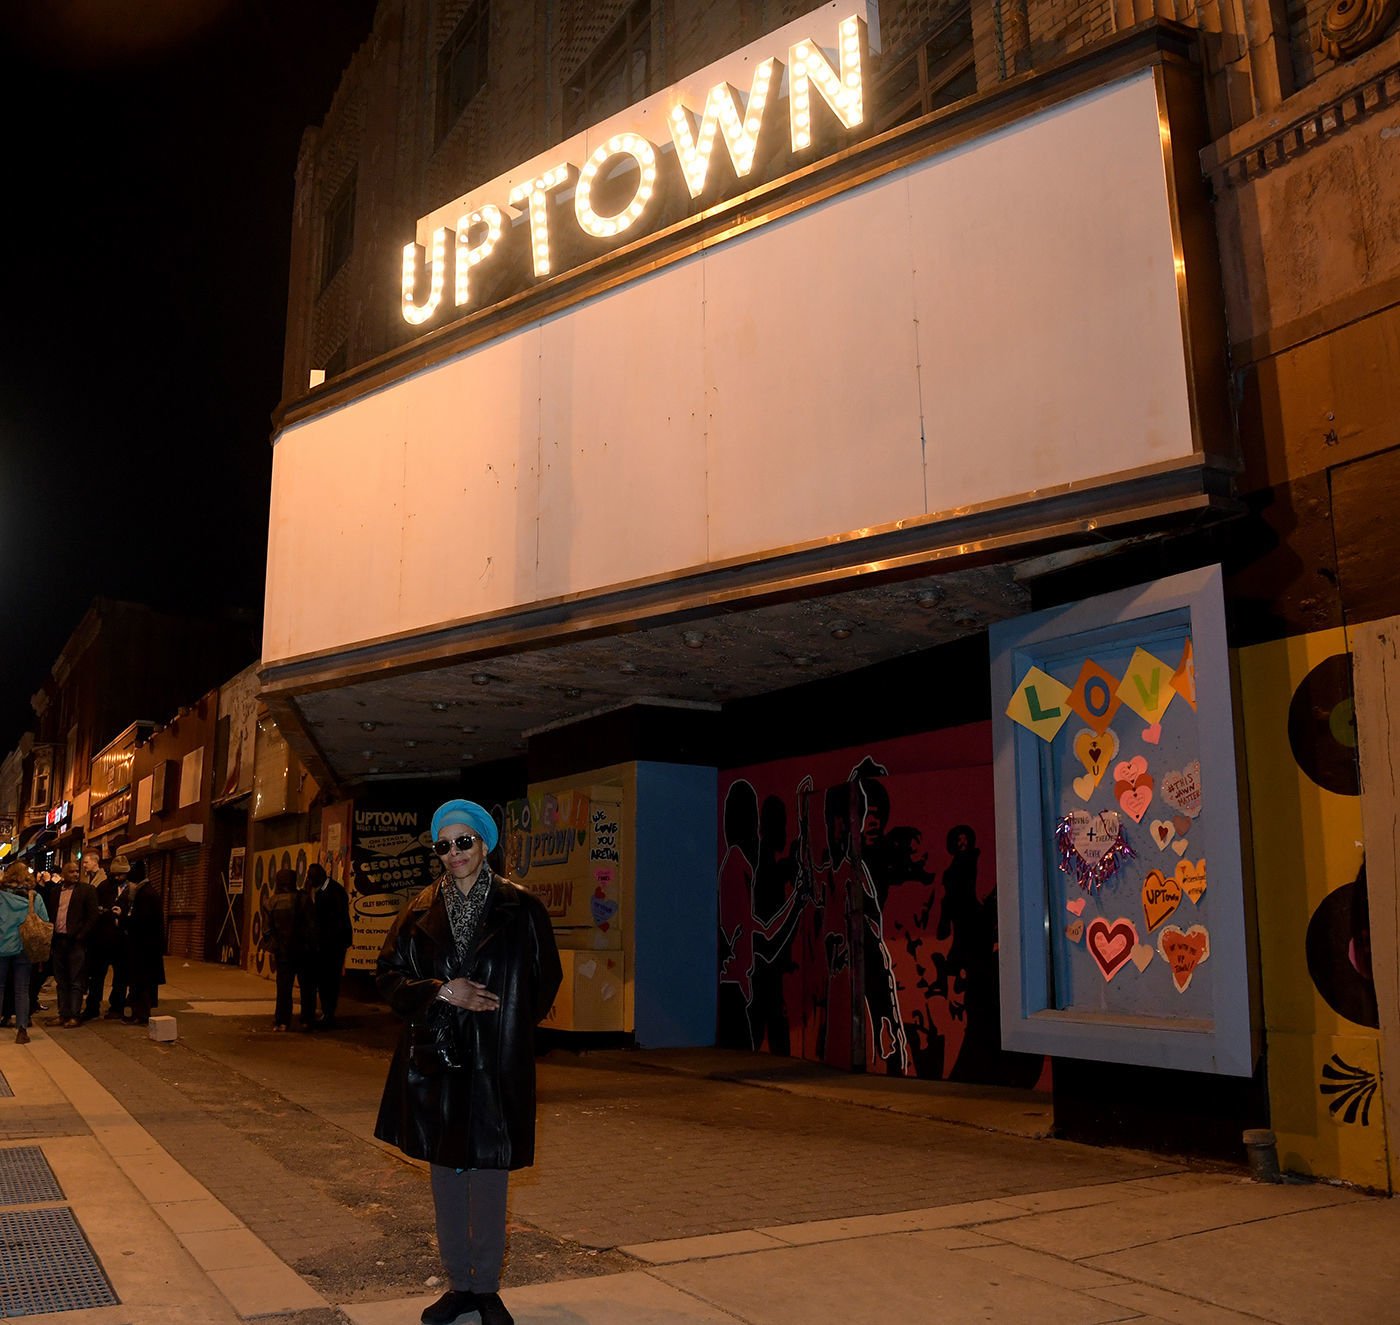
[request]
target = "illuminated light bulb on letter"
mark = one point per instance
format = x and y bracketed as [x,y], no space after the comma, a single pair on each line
[533,193]
[470,255]
[417,314]
[740,134]
[808,68]
[622,144]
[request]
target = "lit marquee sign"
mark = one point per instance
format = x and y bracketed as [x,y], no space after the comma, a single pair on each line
[455,249]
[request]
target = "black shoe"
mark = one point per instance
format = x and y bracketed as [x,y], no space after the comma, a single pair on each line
[451,1307]
[493,1310]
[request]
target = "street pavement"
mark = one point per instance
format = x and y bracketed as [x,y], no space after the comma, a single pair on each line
[232,1175]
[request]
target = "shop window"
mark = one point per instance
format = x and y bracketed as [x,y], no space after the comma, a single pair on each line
[937,72]
[338,232]
[1121,892]
[462,65]
[615,74]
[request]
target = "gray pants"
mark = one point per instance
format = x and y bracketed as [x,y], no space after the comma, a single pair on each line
[471,1225]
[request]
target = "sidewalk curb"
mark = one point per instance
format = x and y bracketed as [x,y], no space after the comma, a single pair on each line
[241,1267]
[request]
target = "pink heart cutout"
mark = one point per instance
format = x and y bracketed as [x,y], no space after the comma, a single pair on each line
[1152,734]
[1111,945]
[1130,770]
[1136,801]
[1076,907]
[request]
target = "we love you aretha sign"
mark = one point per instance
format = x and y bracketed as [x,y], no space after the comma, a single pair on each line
[608,183]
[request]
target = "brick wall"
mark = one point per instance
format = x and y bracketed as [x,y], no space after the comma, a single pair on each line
[382,120]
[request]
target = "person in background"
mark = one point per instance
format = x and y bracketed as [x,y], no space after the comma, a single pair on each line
[102,943]
[331,907]
[471,966]
[289,934]
[15,894]
[141,959]
[73,906]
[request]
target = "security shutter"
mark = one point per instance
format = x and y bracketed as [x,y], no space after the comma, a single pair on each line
[187,906]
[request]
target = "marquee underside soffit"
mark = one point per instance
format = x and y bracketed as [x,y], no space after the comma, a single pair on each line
[436,720]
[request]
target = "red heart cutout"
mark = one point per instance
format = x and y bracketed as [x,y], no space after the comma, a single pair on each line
[1111,945]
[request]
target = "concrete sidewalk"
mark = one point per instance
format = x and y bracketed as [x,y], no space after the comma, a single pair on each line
[1207,1247]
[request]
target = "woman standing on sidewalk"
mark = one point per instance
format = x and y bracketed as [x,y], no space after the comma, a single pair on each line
[471,966]
[16,897]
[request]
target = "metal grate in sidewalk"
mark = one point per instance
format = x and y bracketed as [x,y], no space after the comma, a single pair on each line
[46,1265]
[25,1177]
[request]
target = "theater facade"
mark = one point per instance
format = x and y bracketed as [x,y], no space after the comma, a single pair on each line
[819,524]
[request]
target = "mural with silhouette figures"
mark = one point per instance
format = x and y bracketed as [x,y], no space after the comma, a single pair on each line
[857,910]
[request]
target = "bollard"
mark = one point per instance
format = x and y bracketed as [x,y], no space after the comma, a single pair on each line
[162,1029]
[1261,1146]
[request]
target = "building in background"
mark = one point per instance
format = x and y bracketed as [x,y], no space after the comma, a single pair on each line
[124,662]
[1009,377]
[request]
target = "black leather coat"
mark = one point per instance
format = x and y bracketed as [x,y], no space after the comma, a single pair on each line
[482,1114]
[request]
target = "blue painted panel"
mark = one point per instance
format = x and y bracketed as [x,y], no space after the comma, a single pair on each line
[677,905]
[1056,998]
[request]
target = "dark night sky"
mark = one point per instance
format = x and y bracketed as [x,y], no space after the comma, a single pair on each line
[150,147]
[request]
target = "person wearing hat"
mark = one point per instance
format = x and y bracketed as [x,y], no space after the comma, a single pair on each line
[472,967]
[102,942]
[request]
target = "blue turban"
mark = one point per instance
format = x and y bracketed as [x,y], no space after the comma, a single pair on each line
[466,812]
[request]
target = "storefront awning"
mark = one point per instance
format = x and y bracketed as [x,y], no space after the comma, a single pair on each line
[187,835]
[34,838]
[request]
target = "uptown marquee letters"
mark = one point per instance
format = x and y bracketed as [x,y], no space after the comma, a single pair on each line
[478,232]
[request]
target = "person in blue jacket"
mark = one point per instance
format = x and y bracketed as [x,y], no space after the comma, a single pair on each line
[17,893]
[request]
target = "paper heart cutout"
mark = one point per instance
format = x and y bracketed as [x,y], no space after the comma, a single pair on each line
[1182,790]
[1161,895]
[1074,931]
[1192,878]
[1084,787]
[1076,907]
[1091,847]
[1183,952]
[1111,944]
[1095,750]
[1093,835]
[1130,770]
[603,909]
[1134,800]
[1181,823]
[1152,735]
[1180,845]
[1142,956]
[1163,830]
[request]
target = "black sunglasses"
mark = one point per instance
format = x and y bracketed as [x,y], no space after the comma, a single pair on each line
[464,843]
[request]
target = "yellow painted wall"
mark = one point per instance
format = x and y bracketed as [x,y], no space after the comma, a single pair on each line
[597,962]
[1307,844]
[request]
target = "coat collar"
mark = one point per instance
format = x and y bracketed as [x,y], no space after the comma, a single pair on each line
[434,925]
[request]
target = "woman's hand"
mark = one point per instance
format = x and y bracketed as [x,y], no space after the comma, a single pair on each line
[464,993]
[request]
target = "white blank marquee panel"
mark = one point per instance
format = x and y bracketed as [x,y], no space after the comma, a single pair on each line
[991,321]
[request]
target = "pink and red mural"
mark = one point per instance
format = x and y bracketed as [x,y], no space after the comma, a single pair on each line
[857,910]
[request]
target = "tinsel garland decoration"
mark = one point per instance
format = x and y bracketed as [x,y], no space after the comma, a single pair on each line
[1108,850]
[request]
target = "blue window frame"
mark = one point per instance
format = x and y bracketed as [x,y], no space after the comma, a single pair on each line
[1123,908]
